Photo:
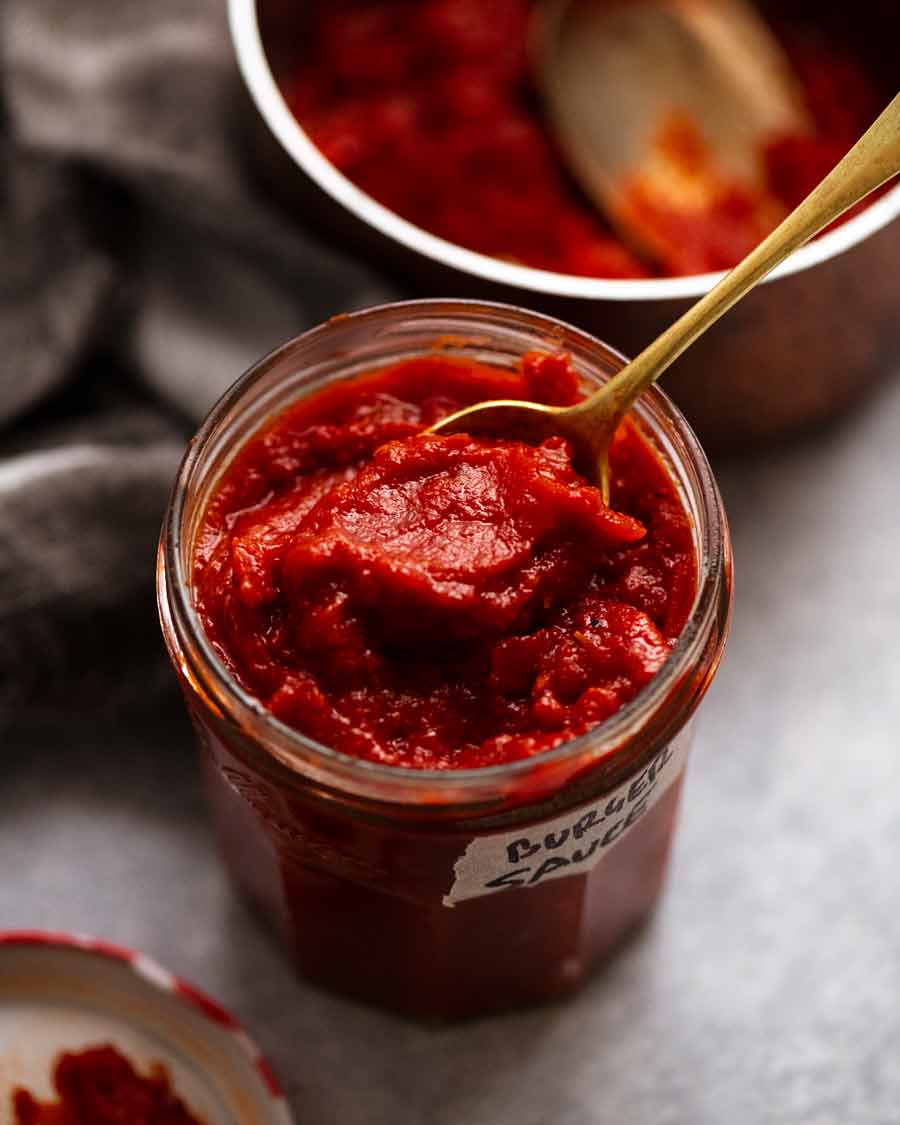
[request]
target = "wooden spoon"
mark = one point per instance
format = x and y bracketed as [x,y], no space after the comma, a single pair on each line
[659,106]
[591,424]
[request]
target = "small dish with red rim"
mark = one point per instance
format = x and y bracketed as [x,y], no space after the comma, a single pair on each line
[62,993]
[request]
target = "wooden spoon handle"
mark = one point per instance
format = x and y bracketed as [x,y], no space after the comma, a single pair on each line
[870,163]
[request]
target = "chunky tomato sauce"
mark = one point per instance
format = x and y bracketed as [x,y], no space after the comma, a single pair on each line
[100,1087]
[440,602]
[430,107]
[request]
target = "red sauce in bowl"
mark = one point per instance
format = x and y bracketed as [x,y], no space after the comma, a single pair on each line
[430,107]
[99,1086]
[440,602]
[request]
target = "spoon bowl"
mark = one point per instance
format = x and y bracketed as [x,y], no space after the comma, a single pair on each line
[588,427]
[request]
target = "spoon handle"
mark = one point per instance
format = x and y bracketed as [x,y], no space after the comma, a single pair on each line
[870,163]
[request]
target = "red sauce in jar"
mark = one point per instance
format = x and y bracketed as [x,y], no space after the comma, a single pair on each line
[429,106]
[100,1087]
[440,602]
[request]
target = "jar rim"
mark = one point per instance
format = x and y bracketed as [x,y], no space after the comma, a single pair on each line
[294,749]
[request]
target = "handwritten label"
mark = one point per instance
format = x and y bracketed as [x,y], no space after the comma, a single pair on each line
[571,844]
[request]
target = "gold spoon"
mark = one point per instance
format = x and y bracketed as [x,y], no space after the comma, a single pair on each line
[628,86]
[591,424]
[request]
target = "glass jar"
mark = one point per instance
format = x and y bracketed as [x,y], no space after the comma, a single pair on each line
[454,893]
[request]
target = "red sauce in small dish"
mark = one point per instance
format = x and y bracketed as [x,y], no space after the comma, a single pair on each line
[99,1086]
[440,602]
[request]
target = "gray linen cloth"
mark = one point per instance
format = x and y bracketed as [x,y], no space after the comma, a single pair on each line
[142,272]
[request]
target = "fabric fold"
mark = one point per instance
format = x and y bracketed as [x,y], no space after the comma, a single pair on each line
[143,271]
